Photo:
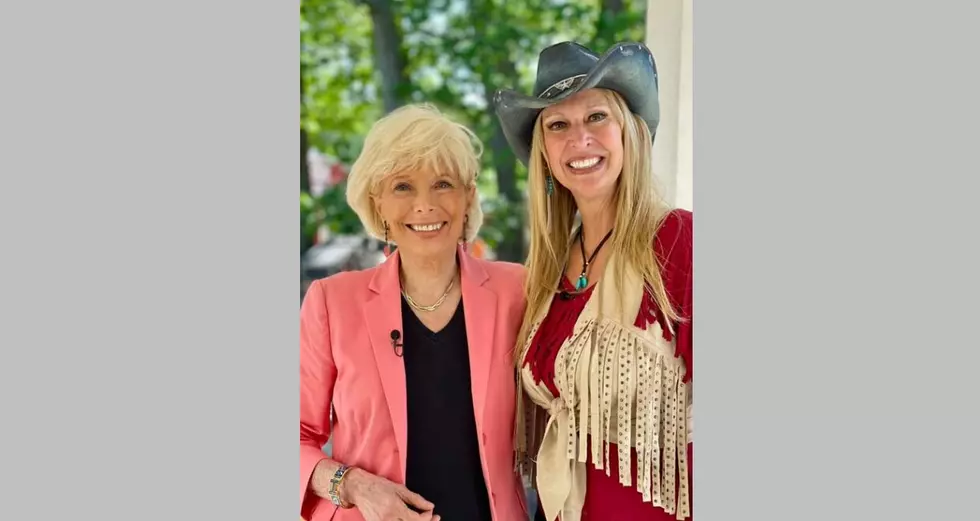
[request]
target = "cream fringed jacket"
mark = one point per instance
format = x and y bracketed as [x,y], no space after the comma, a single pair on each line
[622,385]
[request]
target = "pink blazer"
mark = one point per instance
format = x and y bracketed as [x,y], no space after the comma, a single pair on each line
[347,360]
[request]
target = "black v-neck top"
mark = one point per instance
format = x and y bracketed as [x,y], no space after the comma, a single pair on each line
[443,455]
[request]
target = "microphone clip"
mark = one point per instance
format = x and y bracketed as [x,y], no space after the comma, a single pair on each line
[397,346]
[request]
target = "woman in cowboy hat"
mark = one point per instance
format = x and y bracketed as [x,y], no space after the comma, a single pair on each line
[604,355]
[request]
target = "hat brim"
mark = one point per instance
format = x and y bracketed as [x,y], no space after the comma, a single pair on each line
[627,68]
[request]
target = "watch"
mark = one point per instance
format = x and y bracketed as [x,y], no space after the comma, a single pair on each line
[335,481]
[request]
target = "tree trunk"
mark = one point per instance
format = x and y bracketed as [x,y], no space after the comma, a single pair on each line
[304,167]
[605,33]
[388,55]
[504,162]
[305,241]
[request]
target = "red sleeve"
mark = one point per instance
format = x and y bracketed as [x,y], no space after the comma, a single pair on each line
[674,246]
[317,374]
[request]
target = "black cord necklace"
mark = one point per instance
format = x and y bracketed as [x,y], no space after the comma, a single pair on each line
[583,279]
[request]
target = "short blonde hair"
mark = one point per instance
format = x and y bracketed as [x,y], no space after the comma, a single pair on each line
[413,137]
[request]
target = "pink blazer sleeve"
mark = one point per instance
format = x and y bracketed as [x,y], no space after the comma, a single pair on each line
[317,374]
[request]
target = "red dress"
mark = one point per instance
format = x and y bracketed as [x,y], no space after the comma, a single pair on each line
[605,496]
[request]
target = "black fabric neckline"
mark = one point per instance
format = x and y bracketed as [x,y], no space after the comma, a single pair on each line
[413,321]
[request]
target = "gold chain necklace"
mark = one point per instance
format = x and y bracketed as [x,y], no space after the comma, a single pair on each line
[433,307]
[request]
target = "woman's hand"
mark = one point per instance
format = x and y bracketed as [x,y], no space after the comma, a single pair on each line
[378,499]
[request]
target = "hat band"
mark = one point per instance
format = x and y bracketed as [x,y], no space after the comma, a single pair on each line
[562,86]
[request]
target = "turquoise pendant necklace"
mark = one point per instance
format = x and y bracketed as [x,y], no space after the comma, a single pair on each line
[583,279]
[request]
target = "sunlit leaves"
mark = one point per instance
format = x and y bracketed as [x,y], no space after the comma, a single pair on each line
[458,52]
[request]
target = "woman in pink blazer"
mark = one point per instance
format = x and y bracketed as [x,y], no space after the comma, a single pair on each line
[407,367]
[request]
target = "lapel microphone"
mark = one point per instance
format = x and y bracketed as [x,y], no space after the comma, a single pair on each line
[395,344]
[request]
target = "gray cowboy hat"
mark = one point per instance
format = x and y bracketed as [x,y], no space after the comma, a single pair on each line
[567,68]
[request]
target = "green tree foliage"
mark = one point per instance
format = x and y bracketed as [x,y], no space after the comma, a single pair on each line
[453,53]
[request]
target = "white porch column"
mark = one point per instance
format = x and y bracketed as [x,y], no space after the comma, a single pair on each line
[669,36]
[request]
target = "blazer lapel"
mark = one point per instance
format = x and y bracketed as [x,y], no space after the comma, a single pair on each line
[382,314]
[480,312]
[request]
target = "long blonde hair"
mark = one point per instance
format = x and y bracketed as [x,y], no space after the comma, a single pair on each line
[640,211]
